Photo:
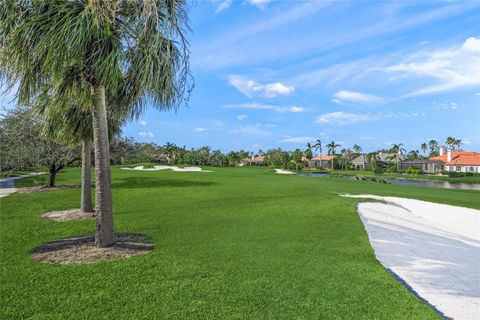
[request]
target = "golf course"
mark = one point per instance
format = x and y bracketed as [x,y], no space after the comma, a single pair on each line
[233,243]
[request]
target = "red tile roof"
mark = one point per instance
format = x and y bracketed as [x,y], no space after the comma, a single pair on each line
[324,158]
[460,158]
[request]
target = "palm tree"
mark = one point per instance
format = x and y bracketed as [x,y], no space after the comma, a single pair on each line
[458,143]
[130,52]
[450,142]
[331,151]
[397,151]
[433,144]
[372,158]
[170,148]
[424,148]
[308,152]
[318,147]
[357,148]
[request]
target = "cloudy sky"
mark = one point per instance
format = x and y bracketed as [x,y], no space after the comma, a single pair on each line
[284,73]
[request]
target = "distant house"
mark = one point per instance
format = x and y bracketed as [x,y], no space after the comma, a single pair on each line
[460,161]
[319,162]
[253,161]
[426,165]
[361,162]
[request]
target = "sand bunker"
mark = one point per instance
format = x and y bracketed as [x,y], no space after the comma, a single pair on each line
[82,250]
[73,214]
[173,168]
[280,171]
[434,248]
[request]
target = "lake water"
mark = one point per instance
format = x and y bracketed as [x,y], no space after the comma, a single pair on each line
[411,183]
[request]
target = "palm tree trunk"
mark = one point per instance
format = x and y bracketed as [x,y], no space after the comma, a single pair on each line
[86,202]
[104,234]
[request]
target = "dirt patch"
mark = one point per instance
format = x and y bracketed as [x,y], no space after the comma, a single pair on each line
[72,214]
[47,189]
[78,250]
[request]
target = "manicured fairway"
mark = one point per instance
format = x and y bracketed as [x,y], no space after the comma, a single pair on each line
[237,243]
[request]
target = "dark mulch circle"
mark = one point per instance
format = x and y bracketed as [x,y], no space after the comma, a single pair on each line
[78,250]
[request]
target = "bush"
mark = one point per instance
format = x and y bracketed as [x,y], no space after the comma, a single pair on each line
[391,169]
[453,174]
[413,170]
[379,170]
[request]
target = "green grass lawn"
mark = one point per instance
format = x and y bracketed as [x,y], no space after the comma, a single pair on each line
[237,243]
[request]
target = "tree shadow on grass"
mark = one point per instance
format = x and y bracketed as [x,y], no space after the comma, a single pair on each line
[142,182]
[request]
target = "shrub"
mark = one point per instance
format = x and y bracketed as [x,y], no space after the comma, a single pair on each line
[413,170]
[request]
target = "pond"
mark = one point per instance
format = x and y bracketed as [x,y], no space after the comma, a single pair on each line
[407,182]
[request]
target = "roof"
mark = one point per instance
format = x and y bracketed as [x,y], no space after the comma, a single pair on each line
[257,159]
[323,158]
[460,158]
[360,159]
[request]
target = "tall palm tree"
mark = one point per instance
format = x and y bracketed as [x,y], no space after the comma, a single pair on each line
[397,151]
[357,148]
[131,52]
[372,158]
[70,121]
[308,152]
[424,148]
[331,151]
[433,145]
[318,147]
[458,143]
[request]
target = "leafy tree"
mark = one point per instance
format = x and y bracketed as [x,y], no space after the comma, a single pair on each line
[296,158]
[451,142]
[433,145]
[130,52]
[413,155]
[24,146]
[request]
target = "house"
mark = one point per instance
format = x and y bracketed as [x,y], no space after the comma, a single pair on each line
[361,162]
[459,161]
[426,165]
[253,161]
[319,162]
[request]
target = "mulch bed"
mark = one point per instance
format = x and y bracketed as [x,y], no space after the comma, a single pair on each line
[72,214]
[79,250]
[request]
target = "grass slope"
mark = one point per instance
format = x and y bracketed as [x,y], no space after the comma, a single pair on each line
[237,243]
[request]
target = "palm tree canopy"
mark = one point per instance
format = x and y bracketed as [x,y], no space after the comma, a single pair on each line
[136,49]
[331,147]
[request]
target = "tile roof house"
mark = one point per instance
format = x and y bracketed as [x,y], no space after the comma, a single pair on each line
[255,161]
[460,161]
[319,162]
[361,162]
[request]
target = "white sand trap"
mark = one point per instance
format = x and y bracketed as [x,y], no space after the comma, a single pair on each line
[434,248]
[173,168]
[280,171]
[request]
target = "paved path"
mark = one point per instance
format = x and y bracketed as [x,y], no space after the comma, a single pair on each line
[7,185]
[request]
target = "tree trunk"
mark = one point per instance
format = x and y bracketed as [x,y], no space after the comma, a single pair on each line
[86,202]
[52,176]
[104,234]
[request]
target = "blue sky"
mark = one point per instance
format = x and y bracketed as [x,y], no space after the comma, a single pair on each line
[283,73]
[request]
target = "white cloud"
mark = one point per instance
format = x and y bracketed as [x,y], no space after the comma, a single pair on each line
[298,139]
[357,97]
[261,106]
[242,117]
[146,134]
[199,130]
[477,94]
[252,88]
[342,118]
[452,68]
[223,5]
[143,123]
[251,130]
[259,3]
